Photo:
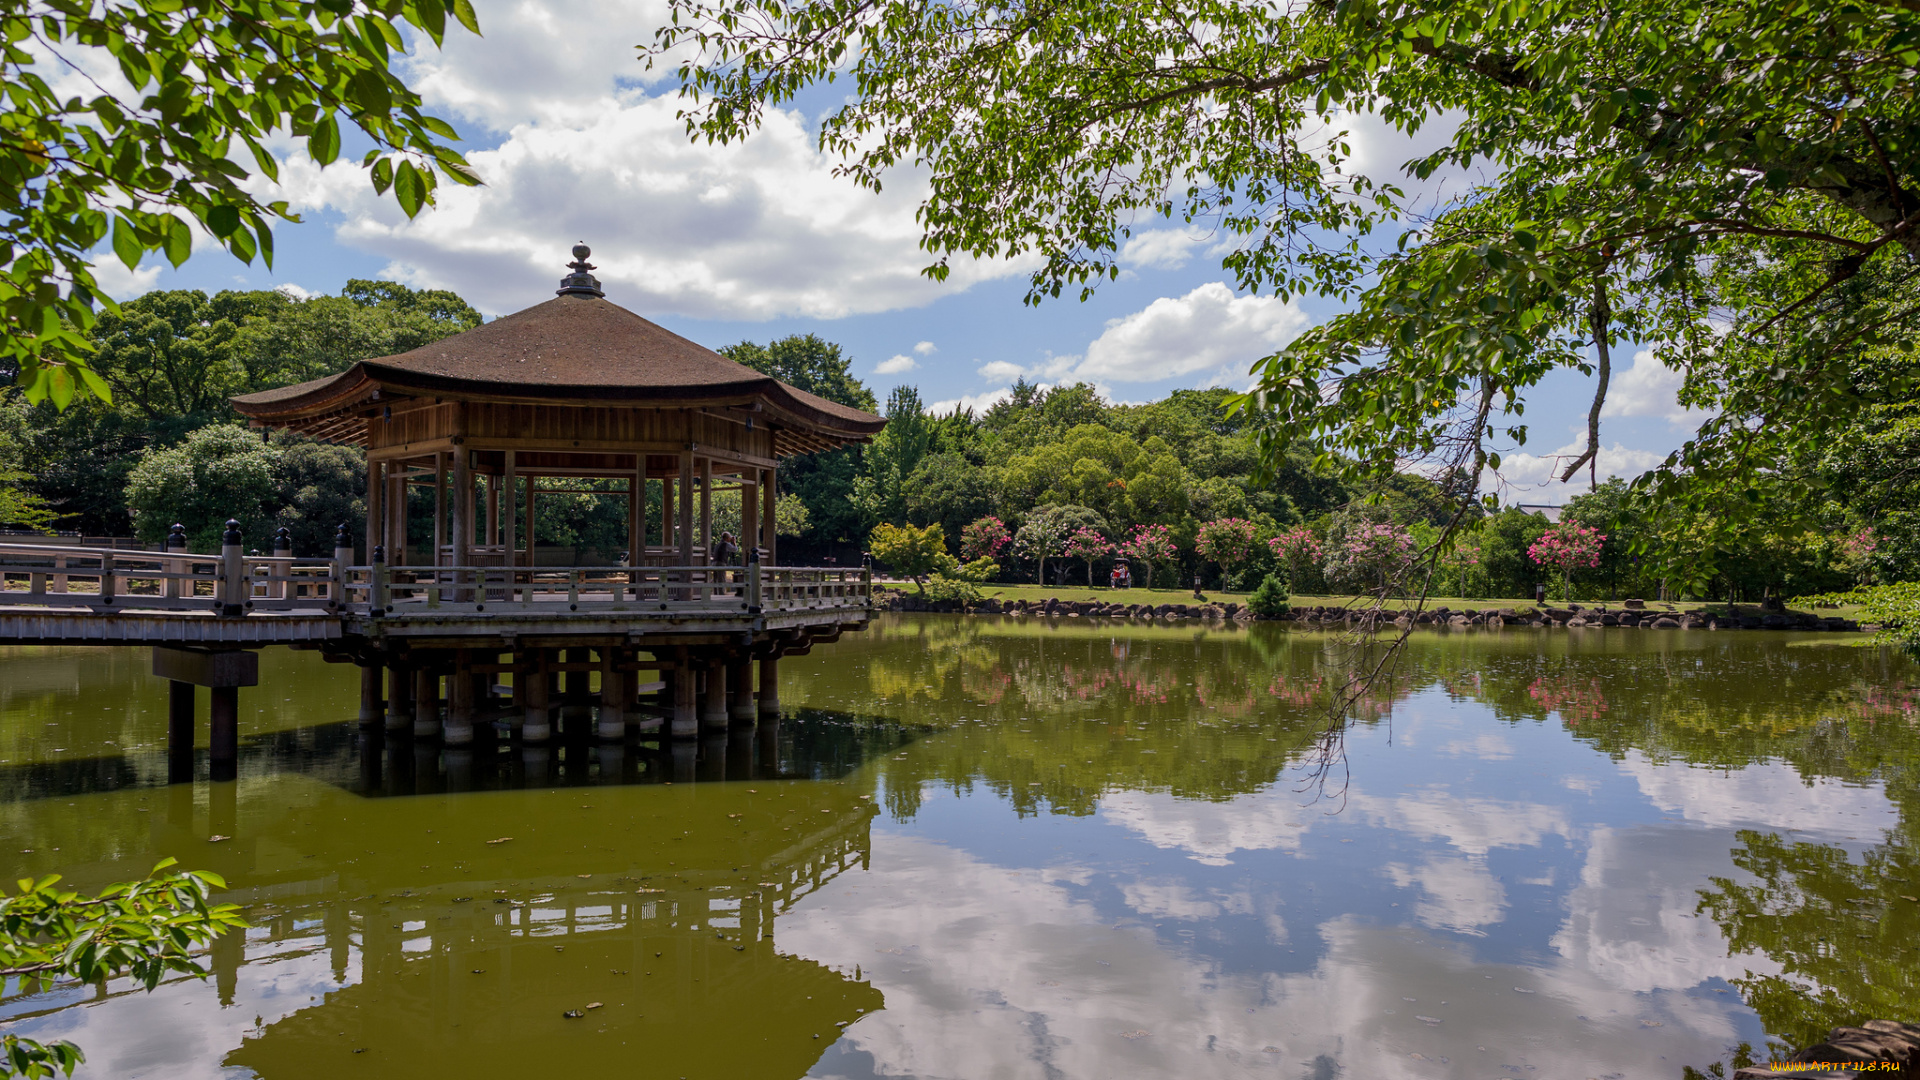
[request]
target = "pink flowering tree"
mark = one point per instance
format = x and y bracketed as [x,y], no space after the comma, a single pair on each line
[1226,542]
[1149,544]
[1567,546]
[1463,560]
[1088,545]
[1369,553]
[1856,554]
[1297,547]
[984,539]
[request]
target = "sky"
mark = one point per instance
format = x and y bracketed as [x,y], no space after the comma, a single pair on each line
[578,142]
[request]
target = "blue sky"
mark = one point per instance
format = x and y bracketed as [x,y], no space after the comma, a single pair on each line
[756,241]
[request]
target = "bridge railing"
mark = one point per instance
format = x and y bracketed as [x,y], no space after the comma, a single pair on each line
[103,579]
[398,591]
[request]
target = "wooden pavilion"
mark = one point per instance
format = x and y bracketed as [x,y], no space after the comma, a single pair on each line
[571,391]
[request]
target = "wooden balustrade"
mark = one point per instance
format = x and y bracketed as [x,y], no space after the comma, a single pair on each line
[107,580]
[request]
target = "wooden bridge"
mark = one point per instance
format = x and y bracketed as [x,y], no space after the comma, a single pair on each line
[443,634]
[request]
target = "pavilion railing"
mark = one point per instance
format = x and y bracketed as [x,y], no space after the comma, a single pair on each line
[679,590]
[106,580]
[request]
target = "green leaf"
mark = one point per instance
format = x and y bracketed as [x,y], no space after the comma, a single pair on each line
[409,188]
[323,142]
[127,243]
[382,175]
[178,242]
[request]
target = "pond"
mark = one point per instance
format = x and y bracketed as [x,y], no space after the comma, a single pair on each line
[998,847]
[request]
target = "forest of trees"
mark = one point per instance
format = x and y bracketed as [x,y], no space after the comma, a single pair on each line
[168,449]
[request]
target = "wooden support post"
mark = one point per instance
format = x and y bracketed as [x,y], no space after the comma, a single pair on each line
[462,531]
[376,505]
[706,512]
[439,505]
[509,513]
[667,517]
[235,585]
[223,737]
[371,703]
[538,725]
[740,688]
[179,731]
[713,714]
[426,702]
[686,506]
[397,513]
[686,720]
[490,499]
[613,694]
[749,515]
[770,686]
[399,695]
[459,731]
[768,527]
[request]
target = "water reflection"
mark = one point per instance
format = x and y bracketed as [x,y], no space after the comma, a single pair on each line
[1014,847]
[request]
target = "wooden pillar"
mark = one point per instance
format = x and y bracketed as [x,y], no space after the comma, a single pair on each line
[426,702]
[180,697]
[686,721]
[637,513]
[376,505]
[538,725]
[613,695]
[713,712]
[768,529]
[770,686]
[749,514]
[532,559]
[439,505]
[706,510]
[686,507]
[667,517]
[223,736]
[397,513]
[460,687]
[509,509]
[490,498]
[462,531]
[370,699]
[399,695]
[740,688]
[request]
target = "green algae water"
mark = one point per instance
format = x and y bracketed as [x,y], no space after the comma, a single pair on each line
[986,847]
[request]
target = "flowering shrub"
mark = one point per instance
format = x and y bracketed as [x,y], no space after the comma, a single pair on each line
[984,539]
[1225,541]
[1369,553]
[1089,545]
[1296,547]
[1463,561]
[1856,554]
[1567,546]
[1149,544]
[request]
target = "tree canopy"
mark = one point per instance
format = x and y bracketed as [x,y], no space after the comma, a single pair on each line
[168,96]
[1734,183]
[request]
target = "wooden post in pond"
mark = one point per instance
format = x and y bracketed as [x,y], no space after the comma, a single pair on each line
[426,701]
[538,725]
[371,703]
[740,687]
[713,713]
[234,584]
[613,694]
[685,723]
[399,693]
[769,703]
[460,688]
[223,736]
[577,701]
[180,699]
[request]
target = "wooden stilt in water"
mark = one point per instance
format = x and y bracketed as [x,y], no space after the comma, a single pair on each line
[180,697]
[740,688]
[223,738]
[399,696]
[769,686]
[686,720]
[613,695]
[371,703]
[460,694]
[426,702]
[538,726]
[713,712]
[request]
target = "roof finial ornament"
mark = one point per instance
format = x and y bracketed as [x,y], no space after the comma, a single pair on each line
[580,282]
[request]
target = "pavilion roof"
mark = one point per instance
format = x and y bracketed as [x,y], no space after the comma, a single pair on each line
[574,349]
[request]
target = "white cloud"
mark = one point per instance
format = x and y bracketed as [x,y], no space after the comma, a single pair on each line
[896,364]
[120,283]
[293,291]
[1160,249]
[1209,331]
[978,403]
[926,348]
[1001,371]
[1650,388]
[1461,894]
